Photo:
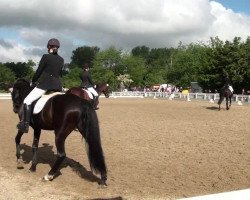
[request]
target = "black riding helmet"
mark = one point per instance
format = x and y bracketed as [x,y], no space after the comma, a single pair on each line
[53,42]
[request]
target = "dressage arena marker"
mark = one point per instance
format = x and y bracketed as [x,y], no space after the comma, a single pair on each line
[240,103]
[234,195]
[211,101]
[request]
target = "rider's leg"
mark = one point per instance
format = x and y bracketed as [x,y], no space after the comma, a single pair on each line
[96,101]
[95,97]
[23,125]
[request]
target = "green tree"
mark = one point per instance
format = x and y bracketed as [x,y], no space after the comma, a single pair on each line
[224,59]
[83,55]
[72,79]
[6,77]
[135,67]
[107,65]
[141,51]
[185,64]
[21,69]
[246,64]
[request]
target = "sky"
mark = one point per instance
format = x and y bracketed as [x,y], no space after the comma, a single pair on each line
[25,27]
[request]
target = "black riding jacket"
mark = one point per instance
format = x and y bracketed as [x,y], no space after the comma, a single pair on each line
[48,72]
[86,79]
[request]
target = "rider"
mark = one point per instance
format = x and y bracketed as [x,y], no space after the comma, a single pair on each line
[48,73]
[227,83]
[88,83]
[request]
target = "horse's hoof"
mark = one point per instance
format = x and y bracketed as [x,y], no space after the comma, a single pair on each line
[20,164]
[32,169]
[47,178]
[102,184]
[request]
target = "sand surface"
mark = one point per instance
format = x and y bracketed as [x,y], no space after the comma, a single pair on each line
[154,149]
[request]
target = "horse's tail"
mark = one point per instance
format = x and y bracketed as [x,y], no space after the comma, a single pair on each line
[91,133]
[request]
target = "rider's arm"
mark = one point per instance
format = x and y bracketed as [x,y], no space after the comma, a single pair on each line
[39,69]
[90,80]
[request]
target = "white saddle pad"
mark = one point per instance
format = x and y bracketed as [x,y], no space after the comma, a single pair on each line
[89,93]
[41,102]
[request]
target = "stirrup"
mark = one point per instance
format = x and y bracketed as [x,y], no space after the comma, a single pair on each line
[96,108]
[23,127]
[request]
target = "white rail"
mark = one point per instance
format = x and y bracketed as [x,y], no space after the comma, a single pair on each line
[190,96]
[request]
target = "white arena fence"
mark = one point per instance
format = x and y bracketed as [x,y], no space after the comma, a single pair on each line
[191,96]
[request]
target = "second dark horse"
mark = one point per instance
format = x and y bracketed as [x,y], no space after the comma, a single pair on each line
[80,92]
[225,92]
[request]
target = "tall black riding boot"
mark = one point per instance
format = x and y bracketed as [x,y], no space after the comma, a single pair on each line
[95,102]
[23,125]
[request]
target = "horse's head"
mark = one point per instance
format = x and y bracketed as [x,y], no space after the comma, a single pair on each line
[103,88]
[20,90]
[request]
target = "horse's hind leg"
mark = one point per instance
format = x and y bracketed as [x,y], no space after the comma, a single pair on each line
[60,145]
[18,150]
[219,102]
[37,133]
[227,103]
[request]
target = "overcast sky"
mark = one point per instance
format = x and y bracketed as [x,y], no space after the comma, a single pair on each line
[26,26]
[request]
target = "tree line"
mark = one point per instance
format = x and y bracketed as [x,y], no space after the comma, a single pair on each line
[206,63]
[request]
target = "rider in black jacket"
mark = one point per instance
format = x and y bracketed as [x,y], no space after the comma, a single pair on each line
[228,84]
[88,84]
[47,75]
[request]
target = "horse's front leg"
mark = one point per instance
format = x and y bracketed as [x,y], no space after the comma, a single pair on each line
[37,133]
[103,180]
[227,103]
[59,159]
[18,150]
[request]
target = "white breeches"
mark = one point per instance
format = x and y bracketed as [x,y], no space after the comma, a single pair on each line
[34,95]
[231,88]
[92,90]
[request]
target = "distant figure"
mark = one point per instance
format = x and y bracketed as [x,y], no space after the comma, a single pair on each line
[228,84]
[89,85]
[243,91]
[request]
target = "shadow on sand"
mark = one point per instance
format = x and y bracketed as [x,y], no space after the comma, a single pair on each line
[47,156]
[212,108]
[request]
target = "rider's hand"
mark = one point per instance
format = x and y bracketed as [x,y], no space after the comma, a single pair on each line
[32,84]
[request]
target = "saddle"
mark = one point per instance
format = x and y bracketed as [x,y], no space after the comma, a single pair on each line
[91,96]
[42,101]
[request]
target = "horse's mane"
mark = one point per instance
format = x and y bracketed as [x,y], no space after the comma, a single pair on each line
[23,86]
[21,83]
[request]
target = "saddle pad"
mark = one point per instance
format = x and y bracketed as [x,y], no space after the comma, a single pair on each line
[41,102]
[89,93]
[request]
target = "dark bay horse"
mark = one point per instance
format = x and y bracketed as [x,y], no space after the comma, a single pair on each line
[225,92]
[61,113]
[80,92]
